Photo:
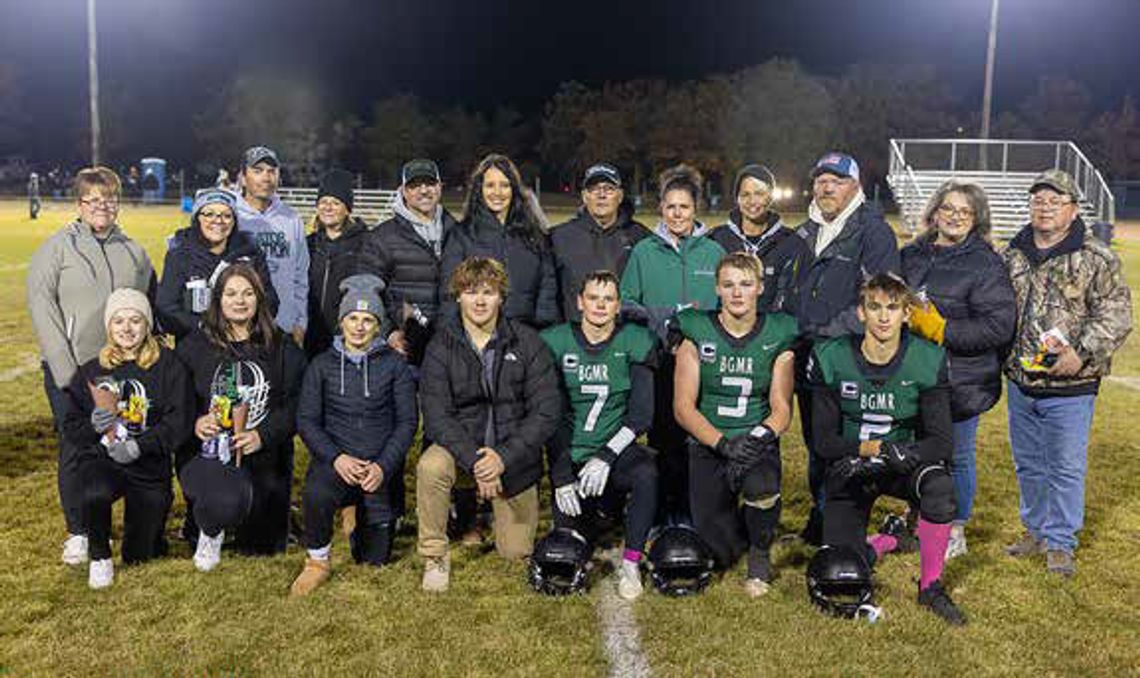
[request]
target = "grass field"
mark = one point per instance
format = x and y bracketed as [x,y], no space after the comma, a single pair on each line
[166,618]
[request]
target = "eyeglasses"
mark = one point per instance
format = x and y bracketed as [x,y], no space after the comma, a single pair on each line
[100,203]
[602,188]
[951,212]
[216,216]
[1044,204]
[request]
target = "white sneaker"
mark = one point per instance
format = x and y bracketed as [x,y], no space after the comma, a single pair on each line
[100,573]
[437,574]
[629,580]
[209,552]
[75,550]
[957,544]
[756,587]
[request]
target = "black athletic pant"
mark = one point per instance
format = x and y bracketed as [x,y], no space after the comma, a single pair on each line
[668,439]
[325,492]
[70,475]
[254,499]
[849,501]
[716,490]
[632,487]
[147,501]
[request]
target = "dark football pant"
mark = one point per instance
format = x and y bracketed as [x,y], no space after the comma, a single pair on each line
[70,475]
[816,465]
[667,438]
[632,486]
[930,487]
[721,494]
[254,499]
[325,493]
[147,501]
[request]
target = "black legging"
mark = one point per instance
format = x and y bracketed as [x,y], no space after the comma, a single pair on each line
[632,486]
[69,472]
[715,493]
[147,501]
[325,492]
[254,499]
[849,503]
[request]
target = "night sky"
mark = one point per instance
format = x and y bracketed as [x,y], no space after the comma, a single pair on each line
[481,54]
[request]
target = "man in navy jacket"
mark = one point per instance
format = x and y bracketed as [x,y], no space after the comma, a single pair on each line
[357,415]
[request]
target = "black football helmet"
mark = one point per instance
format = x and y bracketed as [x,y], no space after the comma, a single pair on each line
[680,564]
[839,581]
[560,563]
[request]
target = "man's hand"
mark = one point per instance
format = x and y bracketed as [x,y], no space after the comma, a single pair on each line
[398,342]
[592,478]
[489,467]
[350,469]
[298,335]
[373,477]
[1068,362]
[489,490]
[247,442]
[566,497]
[870,448]
[743,448]
[206,427]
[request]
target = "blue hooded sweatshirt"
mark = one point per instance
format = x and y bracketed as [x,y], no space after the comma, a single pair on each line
[280,234]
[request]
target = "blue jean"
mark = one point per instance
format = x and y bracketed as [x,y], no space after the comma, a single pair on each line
[964,469]
[1049,438]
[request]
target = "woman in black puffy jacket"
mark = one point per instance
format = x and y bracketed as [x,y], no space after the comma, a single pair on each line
[971,311]
[502,220]
[197,254]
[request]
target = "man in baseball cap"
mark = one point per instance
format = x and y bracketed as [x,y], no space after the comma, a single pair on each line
[599,237]
[848,241]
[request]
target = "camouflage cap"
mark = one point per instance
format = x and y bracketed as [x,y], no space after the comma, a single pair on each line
[1058,180]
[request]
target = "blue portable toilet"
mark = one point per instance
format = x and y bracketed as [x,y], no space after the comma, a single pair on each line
[153,179]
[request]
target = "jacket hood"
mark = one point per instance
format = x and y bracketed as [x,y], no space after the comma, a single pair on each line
[1072,242]
[400,207]
[363,359]
[735,219]
[190,238]
[662,232]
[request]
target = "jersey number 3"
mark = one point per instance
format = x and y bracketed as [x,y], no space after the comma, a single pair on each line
[741,406]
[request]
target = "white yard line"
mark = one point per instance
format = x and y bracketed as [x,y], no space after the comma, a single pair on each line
[620,636]
[1129,382]
[30,363]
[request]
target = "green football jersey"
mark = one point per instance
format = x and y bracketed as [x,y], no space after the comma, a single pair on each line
[596,380]
[878,402]
[736,373]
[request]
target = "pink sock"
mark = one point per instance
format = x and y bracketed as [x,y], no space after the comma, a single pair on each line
[932,540]
[883,544]
[632,555]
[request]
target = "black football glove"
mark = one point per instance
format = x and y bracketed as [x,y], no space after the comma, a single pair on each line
[744,449]
[899,457]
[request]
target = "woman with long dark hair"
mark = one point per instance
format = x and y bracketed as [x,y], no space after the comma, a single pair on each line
[237,471]
[502,220]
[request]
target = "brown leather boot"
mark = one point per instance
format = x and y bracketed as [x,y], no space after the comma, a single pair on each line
[315,573]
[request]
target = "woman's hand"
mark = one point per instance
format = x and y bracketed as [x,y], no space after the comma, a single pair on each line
[206,427]
[247,442]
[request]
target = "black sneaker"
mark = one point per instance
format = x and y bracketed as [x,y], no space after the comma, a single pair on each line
[936,598]
[759,564]
[895,526]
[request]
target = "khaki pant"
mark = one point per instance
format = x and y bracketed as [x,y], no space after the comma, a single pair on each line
[515,519]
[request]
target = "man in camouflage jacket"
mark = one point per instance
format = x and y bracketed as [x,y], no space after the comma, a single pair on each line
[1073,311]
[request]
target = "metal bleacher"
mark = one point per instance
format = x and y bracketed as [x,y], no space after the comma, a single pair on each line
[371,205]
[1004,168]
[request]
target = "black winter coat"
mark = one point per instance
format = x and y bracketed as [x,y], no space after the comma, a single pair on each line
[827,286]
[167,402]
[533,296]
[364,407]
[525,400]
[271,384]
[409,266]
[779,249]
[581,247]
[188,257]
[970,286]
[331,261]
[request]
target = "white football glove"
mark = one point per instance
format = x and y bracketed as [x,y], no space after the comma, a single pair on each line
[566,497]
[592,478]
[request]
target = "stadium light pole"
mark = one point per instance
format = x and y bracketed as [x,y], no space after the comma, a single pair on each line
[988,93]
[93,83]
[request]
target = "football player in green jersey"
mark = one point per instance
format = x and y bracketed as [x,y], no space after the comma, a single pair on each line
[733,394]
[881,418]
[606,372]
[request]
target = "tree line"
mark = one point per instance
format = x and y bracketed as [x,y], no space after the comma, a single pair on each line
[777,113]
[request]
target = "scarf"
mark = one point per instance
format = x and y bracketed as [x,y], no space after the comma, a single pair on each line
[830,230]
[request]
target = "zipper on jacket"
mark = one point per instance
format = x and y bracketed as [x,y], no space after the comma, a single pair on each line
[107,260]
